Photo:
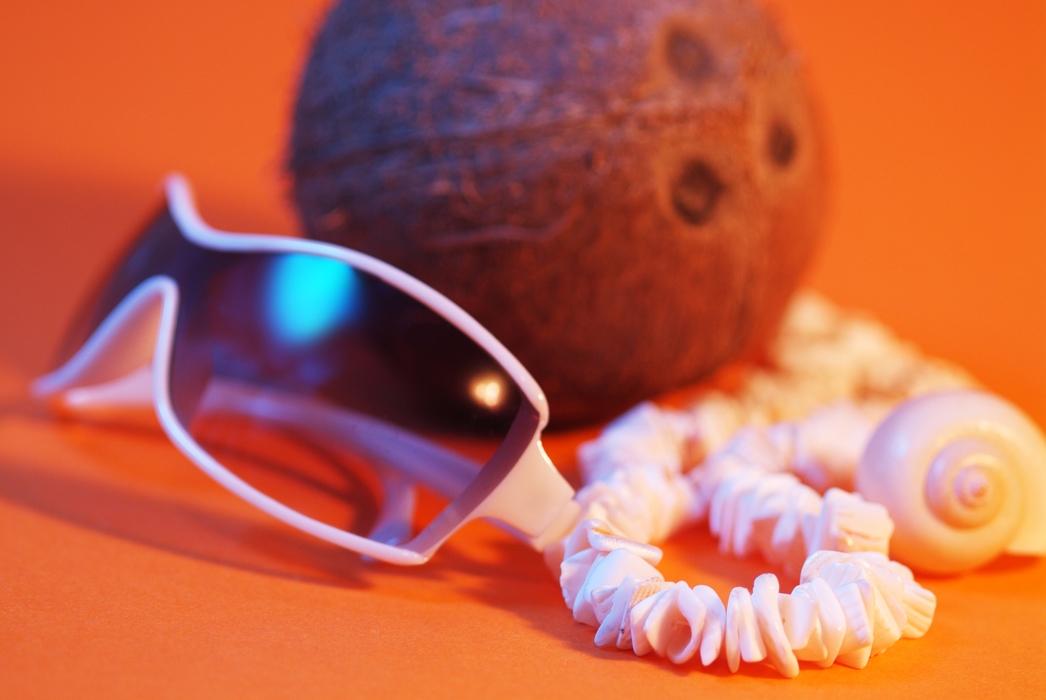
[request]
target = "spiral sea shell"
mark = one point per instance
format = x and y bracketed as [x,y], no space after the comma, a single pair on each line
[963,475]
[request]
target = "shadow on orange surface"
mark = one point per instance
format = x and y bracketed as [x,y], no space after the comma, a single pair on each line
[132,484]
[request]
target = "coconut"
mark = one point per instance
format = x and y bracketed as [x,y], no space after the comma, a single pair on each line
[625,192]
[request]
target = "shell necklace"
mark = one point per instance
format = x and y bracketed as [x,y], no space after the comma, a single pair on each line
[771,469]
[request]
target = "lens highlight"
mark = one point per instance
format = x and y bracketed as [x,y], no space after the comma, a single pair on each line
[488,391]
[308,298]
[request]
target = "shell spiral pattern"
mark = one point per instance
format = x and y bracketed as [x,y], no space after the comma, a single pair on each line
[964,474]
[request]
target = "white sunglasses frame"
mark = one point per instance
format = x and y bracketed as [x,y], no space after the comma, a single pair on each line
[125,364]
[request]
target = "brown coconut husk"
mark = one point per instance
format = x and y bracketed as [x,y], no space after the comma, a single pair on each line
[625,192]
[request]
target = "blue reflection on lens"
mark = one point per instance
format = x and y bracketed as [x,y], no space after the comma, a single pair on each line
[310,297]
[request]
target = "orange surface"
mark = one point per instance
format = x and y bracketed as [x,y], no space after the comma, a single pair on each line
[124,572]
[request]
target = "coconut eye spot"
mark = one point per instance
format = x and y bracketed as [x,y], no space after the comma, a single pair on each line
[695,193]
[688,56]
[781,144]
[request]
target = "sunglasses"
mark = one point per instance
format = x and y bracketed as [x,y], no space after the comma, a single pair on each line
[237,342]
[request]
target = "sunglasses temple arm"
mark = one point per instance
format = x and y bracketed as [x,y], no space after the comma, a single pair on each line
[395,522]
[534,502]
[561,526]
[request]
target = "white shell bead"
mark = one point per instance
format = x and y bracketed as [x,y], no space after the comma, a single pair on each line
[608,571]
[743,640]
[715,624]
[674,626]
[768,614]
[802,626]
[830,617]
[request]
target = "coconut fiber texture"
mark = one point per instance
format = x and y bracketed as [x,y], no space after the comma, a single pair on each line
[625,192]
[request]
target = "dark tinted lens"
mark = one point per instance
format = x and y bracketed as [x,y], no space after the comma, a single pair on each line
[306,325]
[312,349]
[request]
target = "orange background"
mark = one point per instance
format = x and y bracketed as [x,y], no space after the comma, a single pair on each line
[125,572]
